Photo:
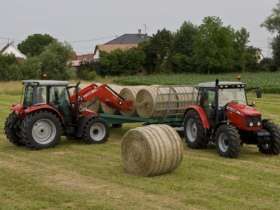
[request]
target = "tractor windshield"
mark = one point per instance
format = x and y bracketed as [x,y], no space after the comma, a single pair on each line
[229,95]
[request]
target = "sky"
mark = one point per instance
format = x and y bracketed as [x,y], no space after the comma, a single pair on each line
[85,23]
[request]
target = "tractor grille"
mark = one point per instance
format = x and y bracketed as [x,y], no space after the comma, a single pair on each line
[254,120]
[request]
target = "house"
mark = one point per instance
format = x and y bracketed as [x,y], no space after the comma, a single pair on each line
[124,42]
[84,58]
[10,49]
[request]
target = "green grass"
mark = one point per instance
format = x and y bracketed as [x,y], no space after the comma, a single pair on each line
[78,176]
[269,82]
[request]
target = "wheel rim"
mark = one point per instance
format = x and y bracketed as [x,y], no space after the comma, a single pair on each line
[191,130]
[223,142]
[44,131]
[97,131]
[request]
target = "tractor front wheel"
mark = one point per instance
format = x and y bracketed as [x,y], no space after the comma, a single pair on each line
[41,130]
[228,141]
[273,146]
[12,129]
[96,131]
[194,131]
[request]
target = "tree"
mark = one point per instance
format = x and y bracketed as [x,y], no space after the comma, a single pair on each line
[276,50]
[158,51]
[241,42]
[55,61]
[7,64]
[121,62]
[214,47]
[182,50]
[272,23]
[35,44]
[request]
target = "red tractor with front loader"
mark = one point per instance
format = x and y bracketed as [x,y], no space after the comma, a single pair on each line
[51,109]
[221,115]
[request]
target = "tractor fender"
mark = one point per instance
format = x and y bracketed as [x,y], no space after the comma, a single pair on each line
[43,107]
[202,114]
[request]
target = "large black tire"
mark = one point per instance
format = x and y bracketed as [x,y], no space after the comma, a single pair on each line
[228,141]
[96,131]
[41,130]
[273,147]
[195,133]
[12,129]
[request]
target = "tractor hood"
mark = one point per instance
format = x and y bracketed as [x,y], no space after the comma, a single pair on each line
[242,109]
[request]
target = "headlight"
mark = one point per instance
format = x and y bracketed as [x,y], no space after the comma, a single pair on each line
[251,124]
[259,123]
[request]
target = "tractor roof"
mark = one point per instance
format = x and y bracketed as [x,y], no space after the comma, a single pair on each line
[222,84]
[45,82]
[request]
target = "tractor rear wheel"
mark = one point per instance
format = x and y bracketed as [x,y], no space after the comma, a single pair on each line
[96,131]
[195,133]
[273,147]
[228,141]
[12,129]
[41,130]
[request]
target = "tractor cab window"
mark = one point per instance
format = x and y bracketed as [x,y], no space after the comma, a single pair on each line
[207,98]
[28,96]
[59,95]
[35,95]
[232,95]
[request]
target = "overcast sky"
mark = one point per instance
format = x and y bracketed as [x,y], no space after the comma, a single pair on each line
[77,21]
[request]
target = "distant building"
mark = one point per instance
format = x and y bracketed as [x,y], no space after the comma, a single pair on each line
[10,49]
[124,42]
[84,58]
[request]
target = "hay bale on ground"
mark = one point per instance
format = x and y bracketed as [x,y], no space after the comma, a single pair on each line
[106,109]
[129,93]
[151,150]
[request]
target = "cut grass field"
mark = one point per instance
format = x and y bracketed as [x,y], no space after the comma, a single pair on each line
[78,176]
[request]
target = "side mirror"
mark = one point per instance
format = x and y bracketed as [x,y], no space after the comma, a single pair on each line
[259,93]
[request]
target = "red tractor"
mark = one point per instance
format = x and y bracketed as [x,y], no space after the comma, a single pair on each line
[51,109]
[222,115]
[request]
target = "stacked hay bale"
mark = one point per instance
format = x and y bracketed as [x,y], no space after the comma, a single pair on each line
[185,96]
[106,109]
[155,101]
[129,93]
[151,150]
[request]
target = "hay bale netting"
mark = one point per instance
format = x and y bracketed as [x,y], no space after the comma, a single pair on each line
[106,109]
[185,96]
[129,93]
[155,101]
[151,150]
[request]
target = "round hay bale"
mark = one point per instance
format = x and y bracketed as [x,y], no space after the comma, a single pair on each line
[185,97]
[151,150]
[106,109]
[155,102]
[129,93]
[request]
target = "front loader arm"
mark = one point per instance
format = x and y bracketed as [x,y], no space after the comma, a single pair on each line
[105,95]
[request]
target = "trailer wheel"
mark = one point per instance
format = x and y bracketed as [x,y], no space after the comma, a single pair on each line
[273,147]
[41,130]
[96,131]
[12,129]
[228,141]
[195,133]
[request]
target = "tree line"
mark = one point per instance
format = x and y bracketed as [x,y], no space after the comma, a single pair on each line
[208,48]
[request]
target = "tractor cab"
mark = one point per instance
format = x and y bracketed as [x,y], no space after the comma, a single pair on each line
[213,97]
[47,92]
